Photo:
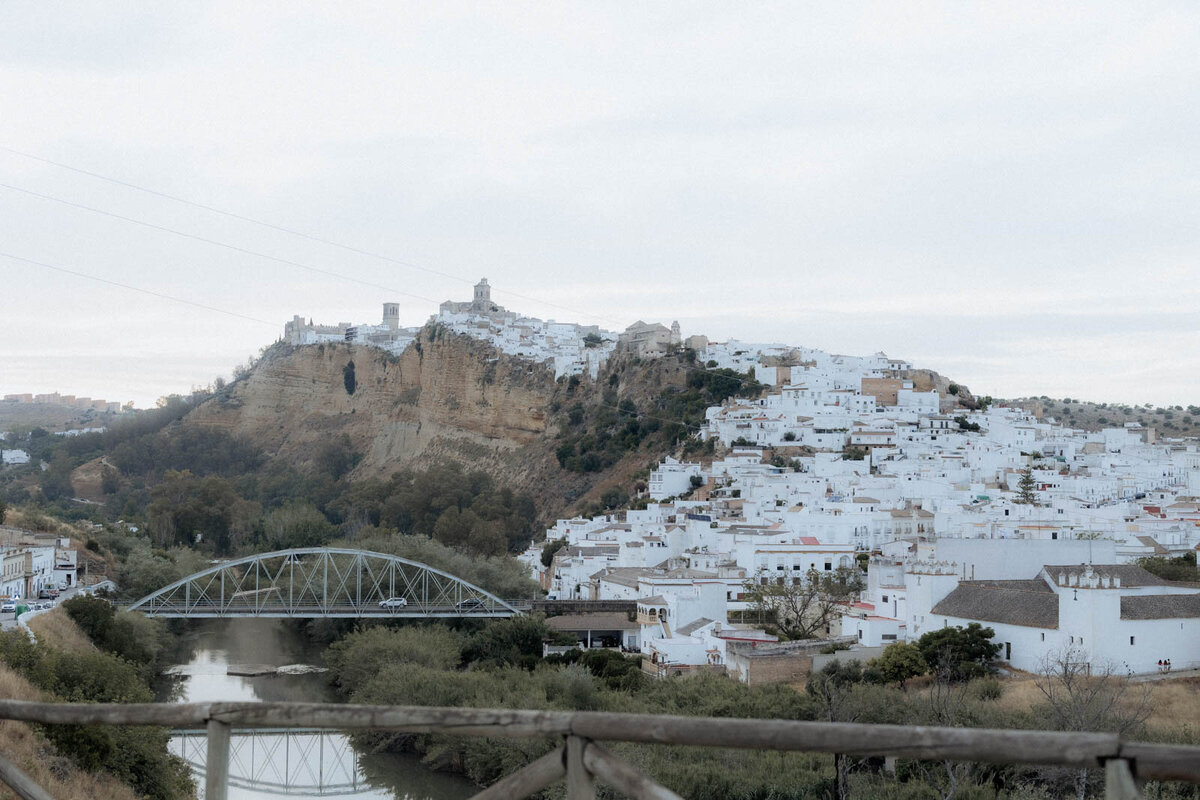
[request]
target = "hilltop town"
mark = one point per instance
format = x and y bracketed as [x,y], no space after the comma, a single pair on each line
[959,509]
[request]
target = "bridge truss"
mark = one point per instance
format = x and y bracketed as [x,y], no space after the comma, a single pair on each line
[281,762]
[323,582]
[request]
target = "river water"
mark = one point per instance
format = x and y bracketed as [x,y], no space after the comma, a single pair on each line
[290,764]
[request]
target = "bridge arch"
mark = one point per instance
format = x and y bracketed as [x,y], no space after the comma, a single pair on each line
[309,582]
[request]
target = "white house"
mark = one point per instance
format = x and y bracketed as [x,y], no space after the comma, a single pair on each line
[1118,616]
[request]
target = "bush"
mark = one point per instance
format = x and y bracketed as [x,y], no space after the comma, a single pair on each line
[358,657]
[960,653]
[900,662]
[137,756]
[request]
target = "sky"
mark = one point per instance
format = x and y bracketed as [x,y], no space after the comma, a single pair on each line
[1007,193]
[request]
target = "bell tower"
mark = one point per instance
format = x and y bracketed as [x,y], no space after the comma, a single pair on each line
[483,296]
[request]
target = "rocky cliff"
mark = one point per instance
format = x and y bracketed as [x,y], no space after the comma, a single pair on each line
[445,397]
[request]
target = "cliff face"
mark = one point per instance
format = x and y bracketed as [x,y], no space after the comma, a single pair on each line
[447,396]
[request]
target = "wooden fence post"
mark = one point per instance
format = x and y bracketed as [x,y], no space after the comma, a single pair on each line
[532,778]
[579,780]
[1118,781]
[12,776]
[216,767]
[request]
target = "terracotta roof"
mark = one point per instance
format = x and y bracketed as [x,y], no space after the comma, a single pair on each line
[1160,606]
[1031,603]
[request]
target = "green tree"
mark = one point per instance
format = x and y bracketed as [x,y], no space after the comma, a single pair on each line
[550,548]
[55,481]
[513,641]
[1179,568]
[336,457]
[296,525]
[852,453]
[900,662]
[960,653]
[1026,488]
[614,497]
[348,378]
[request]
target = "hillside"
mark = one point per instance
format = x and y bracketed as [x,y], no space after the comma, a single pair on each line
[1168,421]
[447,397]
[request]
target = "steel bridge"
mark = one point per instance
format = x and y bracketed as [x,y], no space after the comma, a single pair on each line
[281,762]
[323,582]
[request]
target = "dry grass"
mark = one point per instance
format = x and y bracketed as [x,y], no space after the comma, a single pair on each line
[33,520]
[38,759]
[57,629]
[1176,702]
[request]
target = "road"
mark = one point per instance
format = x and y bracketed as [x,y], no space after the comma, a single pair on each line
[8,620]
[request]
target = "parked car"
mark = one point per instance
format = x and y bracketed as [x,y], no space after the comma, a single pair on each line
[394,602]
[8,606]
[471,604]
[53,592]
[44,594]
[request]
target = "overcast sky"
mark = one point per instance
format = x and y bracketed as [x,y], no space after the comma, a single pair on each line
[1007,193]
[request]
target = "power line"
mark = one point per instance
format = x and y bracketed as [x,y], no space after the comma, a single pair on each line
[131,288]
[277,259]
[172,298]
[290,231]
[214,242]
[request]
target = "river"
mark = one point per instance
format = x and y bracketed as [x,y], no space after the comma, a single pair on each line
[297,764]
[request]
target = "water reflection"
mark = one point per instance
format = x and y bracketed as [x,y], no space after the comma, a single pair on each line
[298,764]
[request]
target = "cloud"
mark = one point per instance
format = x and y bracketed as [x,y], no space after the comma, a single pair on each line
[946,182]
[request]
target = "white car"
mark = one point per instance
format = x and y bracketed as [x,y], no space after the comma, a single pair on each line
[8,605]
[393,602]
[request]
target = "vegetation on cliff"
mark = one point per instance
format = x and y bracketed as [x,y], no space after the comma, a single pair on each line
[635,405]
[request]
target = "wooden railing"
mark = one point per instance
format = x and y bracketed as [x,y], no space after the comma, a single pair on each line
[582,762]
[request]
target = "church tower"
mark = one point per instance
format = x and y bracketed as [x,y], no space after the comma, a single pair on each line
[391,316]
[483,296]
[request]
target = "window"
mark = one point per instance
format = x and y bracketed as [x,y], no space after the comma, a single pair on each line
[1130,641]
[885,598]
[828,565]
[1043,637]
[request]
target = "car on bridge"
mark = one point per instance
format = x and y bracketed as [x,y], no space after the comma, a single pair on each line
[393,602]
[470,604]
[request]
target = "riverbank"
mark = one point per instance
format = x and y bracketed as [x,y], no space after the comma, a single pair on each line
[78,763]
[310,765]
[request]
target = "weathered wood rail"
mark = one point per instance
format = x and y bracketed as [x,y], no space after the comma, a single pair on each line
[581,761]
